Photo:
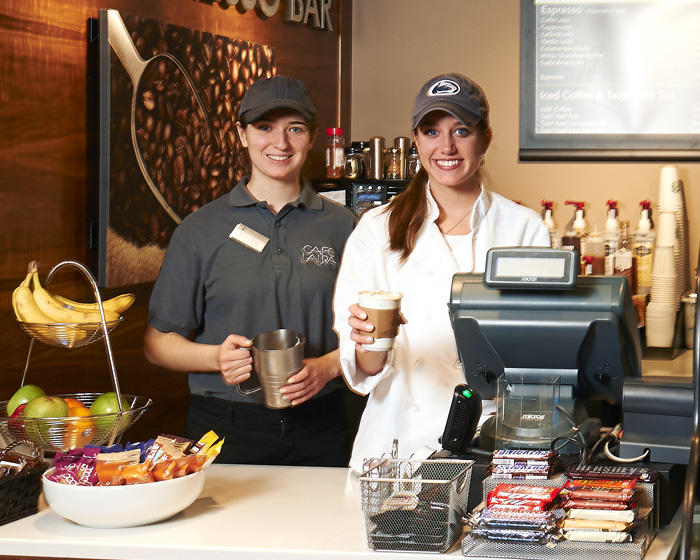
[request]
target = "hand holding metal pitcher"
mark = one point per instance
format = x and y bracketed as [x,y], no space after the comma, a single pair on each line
[277,355]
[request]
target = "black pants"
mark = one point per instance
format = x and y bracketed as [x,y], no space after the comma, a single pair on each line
[314,433]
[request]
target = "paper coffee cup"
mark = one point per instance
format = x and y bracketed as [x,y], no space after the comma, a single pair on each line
[383,311]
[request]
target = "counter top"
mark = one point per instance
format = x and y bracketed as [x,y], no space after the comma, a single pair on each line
[258,512]
[680,366]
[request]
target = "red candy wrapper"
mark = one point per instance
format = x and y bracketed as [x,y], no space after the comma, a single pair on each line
[523,491]
[515,504]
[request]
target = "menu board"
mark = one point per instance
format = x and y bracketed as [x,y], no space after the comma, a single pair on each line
[610,79]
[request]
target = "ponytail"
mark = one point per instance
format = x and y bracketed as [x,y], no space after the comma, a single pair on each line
[407,213]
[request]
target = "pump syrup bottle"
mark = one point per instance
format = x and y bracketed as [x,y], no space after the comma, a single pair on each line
[575,236]
[611,237]
[625,264]
[554,235]
[643,248]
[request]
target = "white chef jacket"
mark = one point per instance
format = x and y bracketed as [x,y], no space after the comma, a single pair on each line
[410,398]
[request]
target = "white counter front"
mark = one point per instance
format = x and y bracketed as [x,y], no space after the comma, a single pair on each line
[258,512]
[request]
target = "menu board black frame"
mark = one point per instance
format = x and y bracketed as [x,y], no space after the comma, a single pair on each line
[567,142]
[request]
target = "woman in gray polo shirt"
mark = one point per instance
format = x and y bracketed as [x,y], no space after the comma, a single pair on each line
[218,288]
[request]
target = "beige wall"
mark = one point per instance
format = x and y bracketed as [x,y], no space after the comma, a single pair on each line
[399,44]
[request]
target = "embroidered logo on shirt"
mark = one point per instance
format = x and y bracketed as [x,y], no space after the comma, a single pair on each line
[321,256]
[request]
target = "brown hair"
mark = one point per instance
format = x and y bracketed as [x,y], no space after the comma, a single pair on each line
[406,215]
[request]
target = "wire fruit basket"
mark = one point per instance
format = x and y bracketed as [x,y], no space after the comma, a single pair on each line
[67,335]
[414,505]
[62,434]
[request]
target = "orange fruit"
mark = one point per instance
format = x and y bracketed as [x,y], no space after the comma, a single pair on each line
[80,429]
[71,402]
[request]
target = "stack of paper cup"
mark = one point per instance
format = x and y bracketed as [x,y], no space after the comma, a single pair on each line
[670,264]
[671,200]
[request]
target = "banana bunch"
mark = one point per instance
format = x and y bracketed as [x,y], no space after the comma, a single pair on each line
[33,303]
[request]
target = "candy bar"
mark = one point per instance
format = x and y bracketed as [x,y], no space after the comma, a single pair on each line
[520,471]
[162,450]
[137,473]
[182,443]
[602,524]
[642,474]
[182,465]
[597,504]
[64,477]
[531,456]
[129,457]
[519,504]
[525,491]
[142,446]
[206,441]
[607,495]
[109,473]
[11,467]
[601,484]
[511,535]
[400,500]
[519,476]
[626,515]
[85,467]
[592,535]
[165,470]
[491,517]
[212,452]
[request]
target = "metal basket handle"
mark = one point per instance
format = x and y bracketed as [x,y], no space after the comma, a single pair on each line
[108,345]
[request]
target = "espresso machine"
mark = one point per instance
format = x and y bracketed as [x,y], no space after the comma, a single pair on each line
[374,174]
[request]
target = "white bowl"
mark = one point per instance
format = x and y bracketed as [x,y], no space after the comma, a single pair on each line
[122,506]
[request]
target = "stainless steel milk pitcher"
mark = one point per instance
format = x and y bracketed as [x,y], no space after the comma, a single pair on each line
[277,355]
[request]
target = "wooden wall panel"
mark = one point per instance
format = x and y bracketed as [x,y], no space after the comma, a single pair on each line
[48,177]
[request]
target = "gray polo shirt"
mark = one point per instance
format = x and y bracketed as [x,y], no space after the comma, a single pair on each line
[211,285]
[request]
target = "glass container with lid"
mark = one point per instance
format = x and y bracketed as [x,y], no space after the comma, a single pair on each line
[354,163]
[413,165]
[394,163]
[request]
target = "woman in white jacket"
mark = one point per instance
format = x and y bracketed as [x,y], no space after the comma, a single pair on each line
[443,223]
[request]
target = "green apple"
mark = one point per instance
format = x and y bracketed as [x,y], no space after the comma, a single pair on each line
[23,395]
[107,403]
[47,431]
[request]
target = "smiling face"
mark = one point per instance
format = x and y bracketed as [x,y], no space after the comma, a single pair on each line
[278,144]
[450,151]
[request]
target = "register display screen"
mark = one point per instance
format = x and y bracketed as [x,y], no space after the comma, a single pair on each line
[610,79]
[519,267]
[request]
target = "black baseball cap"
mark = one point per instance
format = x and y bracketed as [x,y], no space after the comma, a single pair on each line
[278,92]
[454,93]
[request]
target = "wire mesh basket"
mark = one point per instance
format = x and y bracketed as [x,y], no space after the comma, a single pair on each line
[67,335]
[19,492]
[414,505]
[565,550]
[62,434]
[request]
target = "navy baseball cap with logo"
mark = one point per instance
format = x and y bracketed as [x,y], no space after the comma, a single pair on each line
[454,93]
[278,92]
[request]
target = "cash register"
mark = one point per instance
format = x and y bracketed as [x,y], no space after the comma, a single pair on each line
[530,318]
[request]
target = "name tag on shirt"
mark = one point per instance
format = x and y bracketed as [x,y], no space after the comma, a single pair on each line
[249,237]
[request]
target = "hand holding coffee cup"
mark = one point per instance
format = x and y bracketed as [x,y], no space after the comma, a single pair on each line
[383,311]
